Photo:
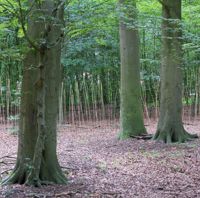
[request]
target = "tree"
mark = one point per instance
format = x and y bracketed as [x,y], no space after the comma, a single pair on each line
[37,162]
[170,126]
[131,115]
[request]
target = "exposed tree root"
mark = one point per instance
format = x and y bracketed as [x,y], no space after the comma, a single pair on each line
[172,135]
[16,177]
[126,135]
[144,137]
[21,175]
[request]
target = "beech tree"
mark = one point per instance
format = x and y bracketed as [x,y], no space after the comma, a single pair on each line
[170,126]
[37,162]
[131,114]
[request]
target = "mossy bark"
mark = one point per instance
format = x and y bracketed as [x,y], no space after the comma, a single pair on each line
[131,113]
[37,161]
[170,127]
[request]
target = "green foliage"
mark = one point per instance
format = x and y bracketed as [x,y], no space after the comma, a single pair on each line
[91,49]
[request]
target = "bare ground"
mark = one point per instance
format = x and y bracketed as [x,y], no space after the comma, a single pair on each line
[101,166]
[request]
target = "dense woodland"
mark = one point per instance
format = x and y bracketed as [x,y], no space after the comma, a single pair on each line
[133,64]
[90,53]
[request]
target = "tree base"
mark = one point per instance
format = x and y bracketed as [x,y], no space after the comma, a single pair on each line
[125,135]
[22,175]
[173,136]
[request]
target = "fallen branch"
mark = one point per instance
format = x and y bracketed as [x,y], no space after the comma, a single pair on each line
[67,194]
[144,137]
[35,195]
[111,193]
[6,171]
[69,168]
[8,156]
[6,163]
[185,123]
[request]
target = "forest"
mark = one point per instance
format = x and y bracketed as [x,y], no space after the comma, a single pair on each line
[99,98]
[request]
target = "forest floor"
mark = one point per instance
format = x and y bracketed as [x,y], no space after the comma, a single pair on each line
[101,166]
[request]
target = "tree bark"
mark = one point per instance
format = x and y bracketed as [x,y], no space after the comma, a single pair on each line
[37,161]
[170,126]
[131,114]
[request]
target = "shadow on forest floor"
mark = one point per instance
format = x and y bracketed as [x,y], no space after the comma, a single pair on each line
[99,165]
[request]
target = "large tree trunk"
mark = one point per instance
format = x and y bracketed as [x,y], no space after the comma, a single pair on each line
[170,127]
[37,161]
[131,114]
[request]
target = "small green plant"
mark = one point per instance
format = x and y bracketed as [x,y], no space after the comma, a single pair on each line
[102,166]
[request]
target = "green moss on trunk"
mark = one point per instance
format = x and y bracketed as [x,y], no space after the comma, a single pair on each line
[37,162]
[131,113]
[170,127]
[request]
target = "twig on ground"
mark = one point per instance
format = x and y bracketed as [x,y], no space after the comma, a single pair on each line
[6,163]
[144,137]
[69,168]
[187,123]
[8,156]
[6,171]
[67,194]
